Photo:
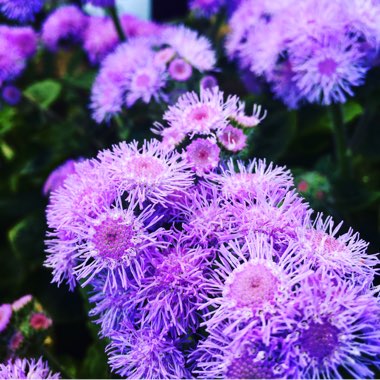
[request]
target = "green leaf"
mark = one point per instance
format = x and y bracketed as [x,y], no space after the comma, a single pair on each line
[351,110]
[6,119]
[44,93]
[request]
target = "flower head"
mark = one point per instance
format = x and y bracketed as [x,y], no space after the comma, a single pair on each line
[191,47]
[26,369]
[11,94]
[145,353]
[57,176]
[21,302]
[203,155]
[233,139]
[64,24]
[5,316]
[39,321]
[21,10]
[180,70]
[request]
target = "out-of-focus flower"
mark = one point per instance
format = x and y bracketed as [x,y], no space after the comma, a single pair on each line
[21,302]
[57,176]
[21,10]
[11,94]
[101,3]
[317,60]
[67,23]
[5,316]
[180,70]
[39,321]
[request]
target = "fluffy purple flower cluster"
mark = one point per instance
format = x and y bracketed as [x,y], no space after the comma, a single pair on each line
[223,275]
[143,68]
[17,45]
[206,121]
[27,369]
[207,8]
[311,51]
[21,10]
[97,34]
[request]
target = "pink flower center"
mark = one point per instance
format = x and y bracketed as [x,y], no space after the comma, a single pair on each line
[253,286]
[113,238]
[145,169]
[319,340]
[327,67]
[143,80]
[200,113]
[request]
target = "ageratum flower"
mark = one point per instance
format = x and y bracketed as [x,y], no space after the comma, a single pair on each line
[304,57]
[206,7]
[146,173]
[17,44]
[232,356]
[251,279]
[21,10]
[11,95]
[333,331]
[26,369]
[237,179]
[142,68]
[5,316]
[101,38]
[344,254]
[67,23]
[113,306]
[57,176]
[145,353]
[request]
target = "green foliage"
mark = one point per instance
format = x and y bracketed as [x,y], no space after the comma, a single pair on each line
[43,93]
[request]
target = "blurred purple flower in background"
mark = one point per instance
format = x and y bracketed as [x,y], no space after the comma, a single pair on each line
[21,10]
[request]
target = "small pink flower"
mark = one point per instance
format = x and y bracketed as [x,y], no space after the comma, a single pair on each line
[247,121]
[21,302]
[203,154]
[233,139]
[5,316]
[16,341]
[303,186]
[39,321]
[180,70]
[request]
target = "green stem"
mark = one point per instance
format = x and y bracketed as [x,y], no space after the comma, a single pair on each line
[343,154]
[116,21]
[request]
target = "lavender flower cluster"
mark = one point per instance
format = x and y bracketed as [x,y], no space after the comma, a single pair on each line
[26,369]
[148,68]
[311,51]
[212,273]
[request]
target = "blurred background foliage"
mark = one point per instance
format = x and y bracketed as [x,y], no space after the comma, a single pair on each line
[51,124]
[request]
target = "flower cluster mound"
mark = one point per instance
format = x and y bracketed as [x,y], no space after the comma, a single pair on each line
[200,265]
[314,51]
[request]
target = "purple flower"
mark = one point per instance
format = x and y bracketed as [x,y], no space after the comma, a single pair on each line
[5,316]
[172,290]
[145,353]
[251,280]
[101,3]
[233,139]
[344,255]
[21,10]
[331,330]
[201,114]
[203,155]
[21,302]
[180,70]
[66,23]
[191,47]
[146,173]
[306,58]
[206,7]
[240,180]
[11,94]
[208,82]
[239,357]
[17,44]
[27,369]
[57,176]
